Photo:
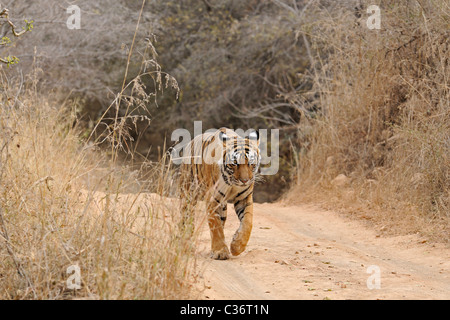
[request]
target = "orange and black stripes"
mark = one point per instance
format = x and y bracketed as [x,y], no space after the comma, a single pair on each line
[223,166]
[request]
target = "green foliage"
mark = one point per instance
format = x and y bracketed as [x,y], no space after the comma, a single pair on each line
[6,41]
[9,60]
[29,25]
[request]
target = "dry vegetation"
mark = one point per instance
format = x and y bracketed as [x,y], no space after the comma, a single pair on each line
[62,203]
[65,202]
[381,141]
[53,217]
[365,121]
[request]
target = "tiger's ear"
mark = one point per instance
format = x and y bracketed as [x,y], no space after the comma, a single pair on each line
[254,136]
[223,136]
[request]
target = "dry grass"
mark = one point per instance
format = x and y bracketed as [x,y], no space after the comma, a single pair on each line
[68,203]
[385,116]
[64,203]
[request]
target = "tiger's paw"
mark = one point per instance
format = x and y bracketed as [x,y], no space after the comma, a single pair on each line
[222,254]
[237,247]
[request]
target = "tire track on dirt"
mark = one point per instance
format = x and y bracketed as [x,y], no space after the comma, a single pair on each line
[301,252]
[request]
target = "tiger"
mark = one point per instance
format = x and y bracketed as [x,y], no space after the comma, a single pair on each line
[222,168]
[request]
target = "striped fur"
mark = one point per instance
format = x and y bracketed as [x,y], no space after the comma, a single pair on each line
[224,173]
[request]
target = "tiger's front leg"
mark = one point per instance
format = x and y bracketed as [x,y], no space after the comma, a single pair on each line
[244,211]
[217,214]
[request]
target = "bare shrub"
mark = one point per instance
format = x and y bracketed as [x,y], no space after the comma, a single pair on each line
[89,62]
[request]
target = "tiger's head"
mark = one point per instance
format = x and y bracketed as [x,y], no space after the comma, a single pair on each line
[240,157]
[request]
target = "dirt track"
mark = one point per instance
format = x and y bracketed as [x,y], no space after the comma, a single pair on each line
[301,252]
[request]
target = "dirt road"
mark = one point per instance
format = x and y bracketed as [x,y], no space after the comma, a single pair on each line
[301,252]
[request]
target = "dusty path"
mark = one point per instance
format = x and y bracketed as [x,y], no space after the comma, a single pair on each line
[305,253]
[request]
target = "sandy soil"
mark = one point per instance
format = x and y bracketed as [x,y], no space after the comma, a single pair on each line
[301,252]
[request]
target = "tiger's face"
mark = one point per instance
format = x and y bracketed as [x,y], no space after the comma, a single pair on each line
[241,159]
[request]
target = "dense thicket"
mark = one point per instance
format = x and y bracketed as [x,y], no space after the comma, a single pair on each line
[237,62]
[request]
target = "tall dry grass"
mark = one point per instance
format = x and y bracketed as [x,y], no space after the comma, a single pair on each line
[384,115]
[68,203]
[61,204]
